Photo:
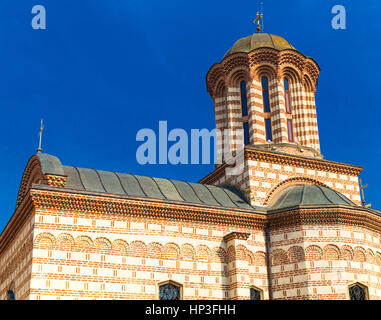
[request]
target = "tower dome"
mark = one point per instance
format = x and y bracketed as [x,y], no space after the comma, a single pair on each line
[259,40]
[304,195]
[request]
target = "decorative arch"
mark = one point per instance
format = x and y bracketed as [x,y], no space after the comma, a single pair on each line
[203,253]
[138,248]
[241,252]
[215,74]
[377,258]
[220,89]
[65,240]
[250,257]
[370,256]
[346,253]
[188,252]
[45,240]
[259,258]
[84,242]
[312,69]
[219,255]
[120,245]
[307,84]
[155,250]
[102,243]
[265,70]
[313,253]
[296,254]
[331,252]
[292,74]
[237,75]
[290,182]
[359,254]
[172,251]
[279,257]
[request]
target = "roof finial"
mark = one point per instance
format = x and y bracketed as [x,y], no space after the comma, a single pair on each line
[362,187]
[39,150]
[259,19]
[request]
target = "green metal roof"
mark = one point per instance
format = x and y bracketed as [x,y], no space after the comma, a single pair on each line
[98,181]
[141,186]
[298,195]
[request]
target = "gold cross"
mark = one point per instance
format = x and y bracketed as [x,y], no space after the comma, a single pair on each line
[257,21]
[362,187]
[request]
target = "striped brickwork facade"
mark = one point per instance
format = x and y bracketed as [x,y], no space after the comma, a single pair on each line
[266,173]
[97,247]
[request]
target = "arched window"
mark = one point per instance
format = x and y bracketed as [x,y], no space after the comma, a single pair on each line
[243,98]
[287,96]
[266,108]
[246,134]
[11,295]
[265,94]
[169,291]
[290,130]
[358,291]
[269,135]
[290,127]
[255,294]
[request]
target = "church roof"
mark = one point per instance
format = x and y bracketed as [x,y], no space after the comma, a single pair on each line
[299,195]
[259,40]
[143,186]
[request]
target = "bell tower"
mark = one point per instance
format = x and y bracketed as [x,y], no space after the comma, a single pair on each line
[266,88]
[264,102]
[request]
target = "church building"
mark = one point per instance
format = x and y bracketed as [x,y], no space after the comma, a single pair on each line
[290,225]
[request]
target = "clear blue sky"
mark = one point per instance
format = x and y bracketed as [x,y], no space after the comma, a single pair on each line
[105,69]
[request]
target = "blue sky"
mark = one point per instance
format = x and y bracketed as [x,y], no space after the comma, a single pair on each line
[102,70]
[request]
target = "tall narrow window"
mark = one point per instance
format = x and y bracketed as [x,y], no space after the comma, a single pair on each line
[246,133]
[255,294]
[244,98]
[290,130]
[287,96]
[269,135]
[169,291]
[265,94]
[358,292]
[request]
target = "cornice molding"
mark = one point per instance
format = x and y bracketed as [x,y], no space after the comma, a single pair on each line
[61,199]
[223,70]
[304,162]
[236,236]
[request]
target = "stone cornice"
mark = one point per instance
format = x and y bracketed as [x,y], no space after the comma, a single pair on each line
[256,154]
[329,215]
[71,200]
[236,236]
[298,161]
[54,198]
[262,56]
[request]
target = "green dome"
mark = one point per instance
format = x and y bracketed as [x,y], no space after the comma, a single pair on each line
[299,195]
[259,40]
